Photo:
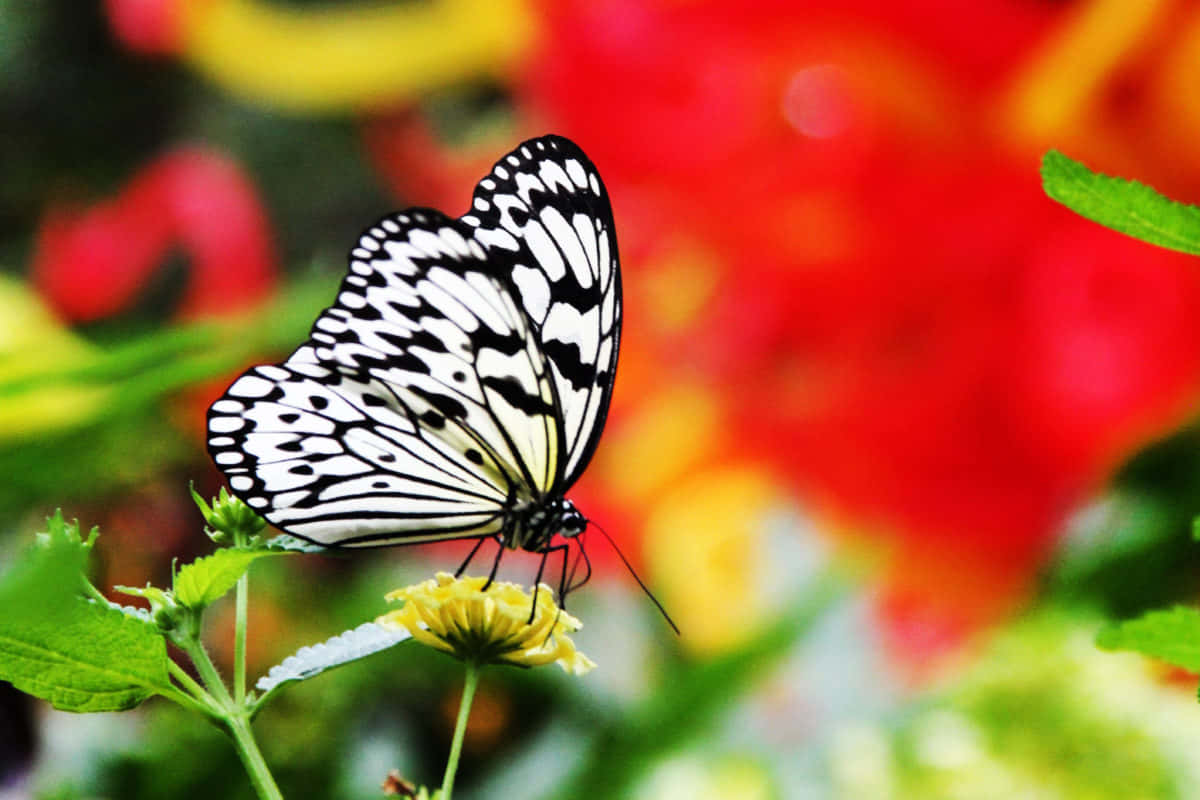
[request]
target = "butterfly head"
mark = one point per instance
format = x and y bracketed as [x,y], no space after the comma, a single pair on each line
[570,521]
[534,525]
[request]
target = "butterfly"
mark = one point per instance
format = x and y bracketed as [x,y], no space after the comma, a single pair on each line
[458,386]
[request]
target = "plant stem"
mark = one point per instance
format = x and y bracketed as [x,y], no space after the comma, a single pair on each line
[236,720]
[91,591]
[187,701]
[460,728]
[196,690]
[239,641]
[208,674]
[253,759]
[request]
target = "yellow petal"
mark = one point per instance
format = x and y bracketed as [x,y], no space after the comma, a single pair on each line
[352,56]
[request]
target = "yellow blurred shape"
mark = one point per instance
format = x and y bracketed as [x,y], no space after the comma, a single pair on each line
[668,433]
[1055,92]
[704,548]
[861,762]
[897,84]
[696,778]
[1177,88]
[349,57]
[679,285]
[34,343]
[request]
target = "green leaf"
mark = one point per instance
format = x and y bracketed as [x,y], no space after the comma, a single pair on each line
[204,580]
[59,532]
[308,662]
[78,654]
[85,657]
[1123,205]
[1172,636]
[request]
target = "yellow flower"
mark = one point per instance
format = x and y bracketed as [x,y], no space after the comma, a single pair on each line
[354,55]
[37,355]
[456,616]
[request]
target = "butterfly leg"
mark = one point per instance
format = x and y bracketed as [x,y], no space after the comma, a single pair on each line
[462,568]
[496,563]
[587,563]
[537,582]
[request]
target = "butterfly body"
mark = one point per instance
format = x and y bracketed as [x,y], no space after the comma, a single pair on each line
[534,525]
[458,386]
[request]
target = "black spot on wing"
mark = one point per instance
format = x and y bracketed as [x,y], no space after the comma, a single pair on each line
[368,313]
[516,396]
[508,344]
[519,215]
[433,419]
[426,340]
[569,360]
[449,406]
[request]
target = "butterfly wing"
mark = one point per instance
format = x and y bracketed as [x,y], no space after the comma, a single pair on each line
[544,213]
[421,407]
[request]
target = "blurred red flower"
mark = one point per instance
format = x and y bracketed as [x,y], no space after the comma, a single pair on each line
[148,26]
[417,167]
[91,263]
[966,392]
[901,322]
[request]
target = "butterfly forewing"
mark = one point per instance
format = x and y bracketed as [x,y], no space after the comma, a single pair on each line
[545,209]
[417,410]
[422,311]
[463,373]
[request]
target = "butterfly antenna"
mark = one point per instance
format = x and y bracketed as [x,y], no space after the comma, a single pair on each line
[629,567]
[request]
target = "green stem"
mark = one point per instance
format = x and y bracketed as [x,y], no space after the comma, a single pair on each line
[192,704]
[91,591]
[239,641]
[460,728]
[253,759]
[196,690]
[208,674]
[236,719]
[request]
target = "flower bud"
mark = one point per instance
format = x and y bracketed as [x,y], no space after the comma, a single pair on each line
[230,521]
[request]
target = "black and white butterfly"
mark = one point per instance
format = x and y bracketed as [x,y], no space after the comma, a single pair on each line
[458,386]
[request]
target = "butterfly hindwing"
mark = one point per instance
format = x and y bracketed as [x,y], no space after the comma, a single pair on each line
[326,457]
[544,210]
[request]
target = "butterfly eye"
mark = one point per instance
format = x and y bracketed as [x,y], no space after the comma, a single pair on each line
[573,524]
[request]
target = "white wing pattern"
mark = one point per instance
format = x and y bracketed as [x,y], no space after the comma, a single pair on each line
[545,200]
[459,384]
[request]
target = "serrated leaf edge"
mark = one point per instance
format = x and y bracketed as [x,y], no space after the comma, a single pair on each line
[311,660]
